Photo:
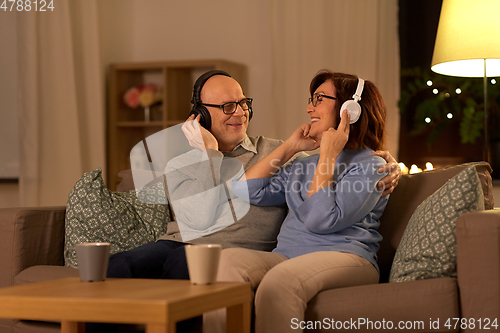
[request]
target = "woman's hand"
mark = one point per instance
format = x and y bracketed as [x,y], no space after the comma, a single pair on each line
[332,143]
[300,140]
[198,136]
[334,140]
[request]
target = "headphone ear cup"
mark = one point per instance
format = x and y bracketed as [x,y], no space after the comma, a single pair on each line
[250,114]
[205,118]
[353,108]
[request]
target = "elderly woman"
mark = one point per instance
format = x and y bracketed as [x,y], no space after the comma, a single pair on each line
[329,238]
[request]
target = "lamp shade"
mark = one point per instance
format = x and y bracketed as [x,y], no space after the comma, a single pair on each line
[468,33]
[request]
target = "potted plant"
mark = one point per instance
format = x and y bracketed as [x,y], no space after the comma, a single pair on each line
[435,102]
[439,100]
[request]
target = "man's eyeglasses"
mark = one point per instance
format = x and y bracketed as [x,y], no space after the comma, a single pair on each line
[318,98]
[230,108]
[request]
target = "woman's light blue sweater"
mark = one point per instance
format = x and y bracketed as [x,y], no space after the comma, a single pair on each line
[343,216]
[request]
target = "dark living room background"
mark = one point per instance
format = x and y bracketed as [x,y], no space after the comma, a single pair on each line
[432,109]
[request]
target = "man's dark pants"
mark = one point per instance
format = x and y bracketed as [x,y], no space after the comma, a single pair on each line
[163,259]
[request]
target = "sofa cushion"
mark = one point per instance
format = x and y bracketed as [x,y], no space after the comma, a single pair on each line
[415,303]
[124,219]
[42,273]
[30,236]
[428,247]
[408,195]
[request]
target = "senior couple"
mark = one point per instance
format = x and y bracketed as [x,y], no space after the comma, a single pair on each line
[291,244]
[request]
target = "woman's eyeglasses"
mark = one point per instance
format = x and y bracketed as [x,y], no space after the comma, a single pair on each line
[318,98]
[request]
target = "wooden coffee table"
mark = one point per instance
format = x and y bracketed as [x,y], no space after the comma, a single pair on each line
[159,304]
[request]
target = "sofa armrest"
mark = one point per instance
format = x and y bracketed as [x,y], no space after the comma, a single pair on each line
[478,264]
[29,237]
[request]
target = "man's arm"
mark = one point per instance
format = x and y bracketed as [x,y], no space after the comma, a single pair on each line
[389,182]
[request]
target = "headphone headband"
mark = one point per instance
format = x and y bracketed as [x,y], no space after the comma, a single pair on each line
[200,82]
[352,106]
[359,90]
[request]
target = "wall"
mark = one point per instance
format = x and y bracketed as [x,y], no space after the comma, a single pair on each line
[9,161]
[150,30]
[174,30]
[9,195]
[9,157]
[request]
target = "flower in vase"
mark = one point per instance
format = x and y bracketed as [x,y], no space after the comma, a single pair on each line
[149,95]
[131,97]
[143,95]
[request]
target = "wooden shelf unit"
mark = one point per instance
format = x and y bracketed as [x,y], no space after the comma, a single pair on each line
[126,126]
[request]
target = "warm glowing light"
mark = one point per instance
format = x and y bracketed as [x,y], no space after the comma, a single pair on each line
[449,115]
[458,91]
[429,166]
[467,34]
[427,120]
[414,169]
[404,168]
[435,91]
[468,68]
[429,83]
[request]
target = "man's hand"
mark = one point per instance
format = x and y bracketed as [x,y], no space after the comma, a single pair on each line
[389,182]
[198,136]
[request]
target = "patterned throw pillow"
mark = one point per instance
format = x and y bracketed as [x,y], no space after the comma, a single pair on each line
[428,248]
[95,214]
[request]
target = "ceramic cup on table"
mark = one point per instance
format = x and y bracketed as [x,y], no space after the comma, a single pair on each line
[92,260]
[203,262]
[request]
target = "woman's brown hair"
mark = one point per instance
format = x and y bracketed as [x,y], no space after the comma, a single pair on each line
[369,130]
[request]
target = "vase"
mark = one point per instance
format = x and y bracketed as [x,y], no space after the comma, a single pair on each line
[147,114]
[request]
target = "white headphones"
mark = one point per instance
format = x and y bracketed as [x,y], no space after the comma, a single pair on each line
[352,106]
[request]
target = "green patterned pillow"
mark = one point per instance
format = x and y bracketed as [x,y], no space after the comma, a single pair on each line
[428,248]
[95,214]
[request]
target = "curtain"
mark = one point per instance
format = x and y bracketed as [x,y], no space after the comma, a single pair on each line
[357,37]
[60,100]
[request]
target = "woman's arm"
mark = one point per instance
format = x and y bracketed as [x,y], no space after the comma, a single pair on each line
[353,195]
[269,165]
[332,143]
[262,184]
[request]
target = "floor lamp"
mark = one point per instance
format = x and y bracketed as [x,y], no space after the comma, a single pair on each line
[468,45]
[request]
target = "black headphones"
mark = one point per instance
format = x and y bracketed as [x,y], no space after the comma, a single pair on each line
[198,109]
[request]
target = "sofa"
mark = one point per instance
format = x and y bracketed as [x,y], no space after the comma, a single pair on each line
[32,241]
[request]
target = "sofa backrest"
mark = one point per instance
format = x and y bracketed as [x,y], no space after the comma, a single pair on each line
[411,191]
